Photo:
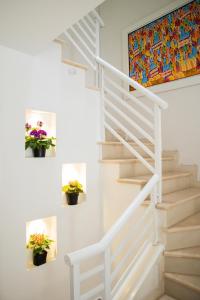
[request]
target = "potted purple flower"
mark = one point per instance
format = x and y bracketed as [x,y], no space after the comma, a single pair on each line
[36,138]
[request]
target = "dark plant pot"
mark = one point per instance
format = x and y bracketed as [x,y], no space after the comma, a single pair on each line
[72,198]
[40,258]
[41,152]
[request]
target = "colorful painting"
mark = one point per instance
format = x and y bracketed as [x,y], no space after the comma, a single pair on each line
[168,48]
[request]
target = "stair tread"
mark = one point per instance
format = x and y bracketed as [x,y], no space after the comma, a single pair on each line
[165,297]
[115,143]
[129,160]
[94,88]
[144,178]
[192,222]
[178,197]
[190,281]
[74,64]
[193,252]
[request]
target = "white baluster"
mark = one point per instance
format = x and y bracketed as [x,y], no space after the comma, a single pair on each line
[97,29]
[102,103]
[107,274]
[158,149]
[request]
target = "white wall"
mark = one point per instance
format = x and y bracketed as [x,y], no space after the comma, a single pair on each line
[31,188]
[181,122]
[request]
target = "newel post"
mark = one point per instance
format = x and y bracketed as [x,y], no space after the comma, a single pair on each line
[75,282]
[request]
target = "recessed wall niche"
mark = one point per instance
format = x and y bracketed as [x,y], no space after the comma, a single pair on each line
[71,172]
[45,125]
[45,226]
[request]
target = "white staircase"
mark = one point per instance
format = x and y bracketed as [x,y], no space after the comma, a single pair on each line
[121,264]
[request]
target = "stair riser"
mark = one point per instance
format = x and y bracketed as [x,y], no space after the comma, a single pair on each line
[137,169]
[182,239]
[181,265]
[180,291]
[180,212]
[177,184]
[119,151]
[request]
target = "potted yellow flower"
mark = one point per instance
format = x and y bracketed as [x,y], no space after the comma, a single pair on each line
[39,243]
[72,190]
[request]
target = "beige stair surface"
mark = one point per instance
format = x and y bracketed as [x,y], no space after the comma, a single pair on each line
[183,287]
[184,234]
[147,143]
[192,252]
[132,160]
[144,178]
[180,197]
[190,223]
[165,297]
[74,64]
[183,261]
[93,88]
[172,180]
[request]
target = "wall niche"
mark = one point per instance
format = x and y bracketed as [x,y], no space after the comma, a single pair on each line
[74,172]
[40,125]
[48,227]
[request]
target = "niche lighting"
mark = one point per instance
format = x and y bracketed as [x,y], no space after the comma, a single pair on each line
[71,172]
[45,226]
[49,125]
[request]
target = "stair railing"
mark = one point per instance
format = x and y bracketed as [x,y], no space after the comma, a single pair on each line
[140,122]
[85,37]
[136,124]
[116,260]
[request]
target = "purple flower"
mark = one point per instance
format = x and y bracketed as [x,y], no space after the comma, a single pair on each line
[42,132]
[39,123]
[34,132]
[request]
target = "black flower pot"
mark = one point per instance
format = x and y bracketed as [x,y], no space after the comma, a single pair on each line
[40,258]
[72,198]
[41,152]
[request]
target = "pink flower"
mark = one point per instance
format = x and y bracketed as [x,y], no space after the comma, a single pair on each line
[27,127]
[39,123]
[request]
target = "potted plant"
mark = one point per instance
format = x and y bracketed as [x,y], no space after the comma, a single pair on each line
[39,243]
[72,190]
[36,138]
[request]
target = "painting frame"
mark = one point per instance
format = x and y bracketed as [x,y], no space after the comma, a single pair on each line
[175,84]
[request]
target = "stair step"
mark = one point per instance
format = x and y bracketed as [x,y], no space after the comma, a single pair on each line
[74,64]
[190,223]
[184,234]
[176,198]
[115,143]
[132,160]
[184,287]
[93,88]
[178,205]
[145,178]
[172,180]
[193,252]
[165,297]
[183,261]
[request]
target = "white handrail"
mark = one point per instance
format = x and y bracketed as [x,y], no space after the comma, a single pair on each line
[95,249]
[162,104]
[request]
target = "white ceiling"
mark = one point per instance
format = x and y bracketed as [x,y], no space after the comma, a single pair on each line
[29,25]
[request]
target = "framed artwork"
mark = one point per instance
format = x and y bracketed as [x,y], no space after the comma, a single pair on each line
[168,48]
